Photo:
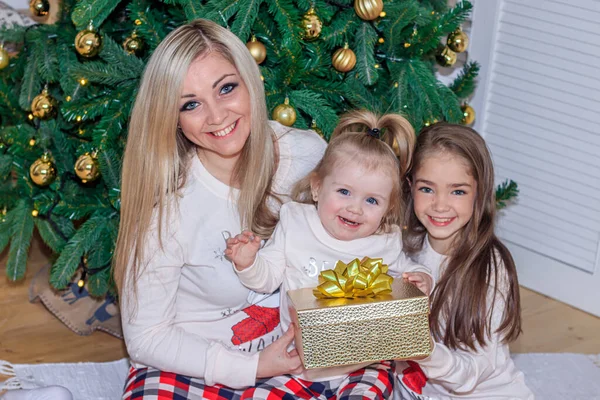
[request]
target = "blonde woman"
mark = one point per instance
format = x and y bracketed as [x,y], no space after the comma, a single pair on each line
[202,160]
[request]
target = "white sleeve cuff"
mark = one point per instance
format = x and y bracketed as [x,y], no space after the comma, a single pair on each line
[230,367]
[438,363]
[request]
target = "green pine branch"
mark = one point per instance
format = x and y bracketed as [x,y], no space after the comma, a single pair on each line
[313,104]
[193,9]
[83,240]
[399,16]
[21,230]
[98,283]
[95,11]
[505,192]
[110,167]
[340,30]
[286,17]
[49,235]
[5,226]
[365,40]
[464,84]
[31,84]
[245,17]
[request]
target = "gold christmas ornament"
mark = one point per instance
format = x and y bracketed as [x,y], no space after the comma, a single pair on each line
[368,9]
[88,42]
[43,105]
[458,41]
[4,57]
[39,8]
[468,114]
[133,44]
[343,59]
[312,25]
[42,171]
[257,49]
[446,57]
[86,167]
[315,128]
[35,213]
[284,113]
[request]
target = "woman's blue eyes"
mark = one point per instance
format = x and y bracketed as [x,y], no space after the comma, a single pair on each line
[228,88]
[225,89]
[190,105]
[370,200]
[425,190]
[459,192]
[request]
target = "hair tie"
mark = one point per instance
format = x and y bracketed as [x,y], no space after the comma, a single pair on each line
[375,132]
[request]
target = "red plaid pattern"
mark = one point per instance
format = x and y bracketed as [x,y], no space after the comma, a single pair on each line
[370,383]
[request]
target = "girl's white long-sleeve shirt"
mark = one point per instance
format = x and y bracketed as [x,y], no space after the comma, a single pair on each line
[191,315]
[300,248]
[489,372]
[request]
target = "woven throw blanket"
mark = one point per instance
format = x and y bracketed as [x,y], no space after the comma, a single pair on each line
[551,376]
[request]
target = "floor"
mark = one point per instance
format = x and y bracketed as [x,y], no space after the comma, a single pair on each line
[31,334]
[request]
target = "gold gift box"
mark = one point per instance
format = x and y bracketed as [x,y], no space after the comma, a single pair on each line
[335,332]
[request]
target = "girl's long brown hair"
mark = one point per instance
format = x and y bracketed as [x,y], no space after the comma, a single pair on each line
[351,143]
[460,314]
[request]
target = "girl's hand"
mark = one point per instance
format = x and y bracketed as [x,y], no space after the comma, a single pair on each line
[421,280]
[242,249]
[275,360]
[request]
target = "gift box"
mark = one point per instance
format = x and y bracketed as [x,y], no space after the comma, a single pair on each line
[344,331]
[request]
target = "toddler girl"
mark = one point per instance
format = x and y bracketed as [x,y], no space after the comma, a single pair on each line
[348,207]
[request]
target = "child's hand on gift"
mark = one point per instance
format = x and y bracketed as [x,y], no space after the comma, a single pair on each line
[241,249]
[421,280]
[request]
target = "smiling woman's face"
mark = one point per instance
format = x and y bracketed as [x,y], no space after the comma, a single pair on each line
[215,108]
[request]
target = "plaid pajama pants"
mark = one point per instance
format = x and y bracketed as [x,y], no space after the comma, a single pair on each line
[372,382]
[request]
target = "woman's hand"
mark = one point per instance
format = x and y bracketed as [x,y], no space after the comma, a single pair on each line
[242,249]
[275,360]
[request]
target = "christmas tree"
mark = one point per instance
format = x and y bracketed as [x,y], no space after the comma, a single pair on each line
[68,91]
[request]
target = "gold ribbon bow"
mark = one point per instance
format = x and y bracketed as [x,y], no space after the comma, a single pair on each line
[365,278]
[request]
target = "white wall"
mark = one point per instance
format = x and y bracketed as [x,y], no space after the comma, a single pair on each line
[17,4]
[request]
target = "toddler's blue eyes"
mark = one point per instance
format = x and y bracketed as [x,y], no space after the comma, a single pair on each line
[345,192]
[373,201]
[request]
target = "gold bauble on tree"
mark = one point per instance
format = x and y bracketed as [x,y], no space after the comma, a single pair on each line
[446,57]
[343,59]
[86,167]
[458,41]
[468,114]
[88,42]
[133,44]
[368,9]
[312,25]
[4,57]
[43,105]
[285,113]
[39,8]
[257,49]
[42,171]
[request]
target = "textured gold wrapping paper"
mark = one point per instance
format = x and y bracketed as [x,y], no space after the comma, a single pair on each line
[334,332]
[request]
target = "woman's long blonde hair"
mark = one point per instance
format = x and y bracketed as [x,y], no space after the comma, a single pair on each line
[157,154]
[389,151]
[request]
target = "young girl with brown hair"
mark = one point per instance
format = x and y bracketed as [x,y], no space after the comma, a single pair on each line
[475,310]
[348,207]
